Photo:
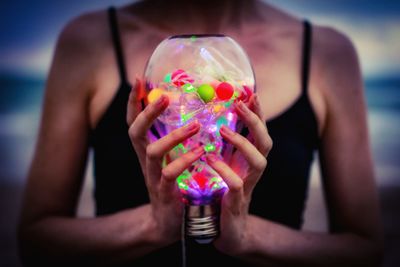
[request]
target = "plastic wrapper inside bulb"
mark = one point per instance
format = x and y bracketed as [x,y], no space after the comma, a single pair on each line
[203,76]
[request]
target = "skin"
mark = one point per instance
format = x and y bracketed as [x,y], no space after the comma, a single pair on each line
[82,82]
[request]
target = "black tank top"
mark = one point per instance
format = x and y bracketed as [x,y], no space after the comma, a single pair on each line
[279,196]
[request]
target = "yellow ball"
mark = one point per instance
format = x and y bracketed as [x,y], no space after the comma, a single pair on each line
[155,94]
[217,108]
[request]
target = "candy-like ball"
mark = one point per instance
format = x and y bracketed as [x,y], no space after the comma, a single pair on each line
[180,77]
[206,92]
[177,73]
[224,91]
[155,94]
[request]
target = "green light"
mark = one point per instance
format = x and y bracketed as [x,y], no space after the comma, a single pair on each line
[229,103]
[168,78]
[180,148]
[221,121]
[188,88]
[186,117]
[193,38]
[181,180]
[209,147]
[215,186]
[215,182]
[183,186]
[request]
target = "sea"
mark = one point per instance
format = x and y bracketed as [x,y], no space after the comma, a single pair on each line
[21,99]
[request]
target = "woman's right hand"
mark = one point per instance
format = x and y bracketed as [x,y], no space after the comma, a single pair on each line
[165,198]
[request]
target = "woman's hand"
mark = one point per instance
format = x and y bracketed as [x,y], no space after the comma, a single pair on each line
[165,198]
[241,175]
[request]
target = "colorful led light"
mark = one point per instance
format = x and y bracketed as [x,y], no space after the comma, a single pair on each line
[209,147]
[202,76]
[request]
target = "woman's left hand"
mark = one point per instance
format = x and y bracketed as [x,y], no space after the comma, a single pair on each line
[241,175]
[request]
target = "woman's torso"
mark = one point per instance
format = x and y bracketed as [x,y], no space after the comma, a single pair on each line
[291,113]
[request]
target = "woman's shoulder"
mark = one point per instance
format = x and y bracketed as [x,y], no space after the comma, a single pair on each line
[336,61]
[77,54]
[336,73]
[84,31]
[331,43]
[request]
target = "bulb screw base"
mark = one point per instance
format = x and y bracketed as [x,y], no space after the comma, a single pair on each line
[202,222]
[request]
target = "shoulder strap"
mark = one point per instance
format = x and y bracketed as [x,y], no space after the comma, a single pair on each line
[306,55]
[112,17]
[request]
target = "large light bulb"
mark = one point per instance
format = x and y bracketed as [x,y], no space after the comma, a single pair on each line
[203,75]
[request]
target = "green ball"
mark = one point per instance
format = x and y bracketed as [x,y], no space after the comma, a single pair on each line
[206,92]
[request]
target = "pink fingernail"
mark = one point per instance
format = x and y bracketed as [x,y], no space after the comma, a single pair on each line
[160,101]
[257,100]
[192,126]
[198,150]
[226,130]
[211,158]
[241,106]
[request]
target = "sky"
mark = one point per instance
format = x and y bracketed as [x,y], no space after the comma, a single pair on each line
[29,29]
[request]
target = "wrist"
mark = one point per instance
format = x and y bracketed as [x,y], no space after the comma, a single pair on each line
[247,239]
[158,232]
[250,237]
[148,227]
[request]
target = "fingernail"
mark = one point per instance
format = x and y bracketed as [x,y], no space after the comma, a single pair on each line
[137,83]
[160,101]
[198,150]
[226,130]
[257,100]
[192,126]
[211,158]
[242,107]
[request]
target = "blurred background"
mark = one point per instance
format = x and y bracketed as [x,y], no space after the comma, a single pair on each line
[29,30]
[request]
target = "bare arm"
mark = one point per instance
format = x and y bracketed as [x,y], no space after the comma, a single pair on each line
[48,230]
[355,238]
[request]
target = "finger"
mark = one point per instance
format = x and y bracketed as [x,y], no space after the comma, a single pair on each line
[142,123]
[133,105]
[256,107]
[177,167]
[232,180]
[156,150]
[256,161]
[257,128]
[234,196]
[162,146]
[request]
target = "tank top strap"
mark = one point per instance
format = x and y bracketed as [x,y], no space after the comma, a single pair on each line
[119,53]
[306,56]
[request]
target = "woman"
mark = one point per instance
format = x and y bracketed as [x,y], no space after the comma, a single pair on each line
[310,97]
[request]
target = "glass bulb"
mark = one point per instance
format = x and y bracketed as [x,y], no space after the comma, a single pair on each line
[203,75]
